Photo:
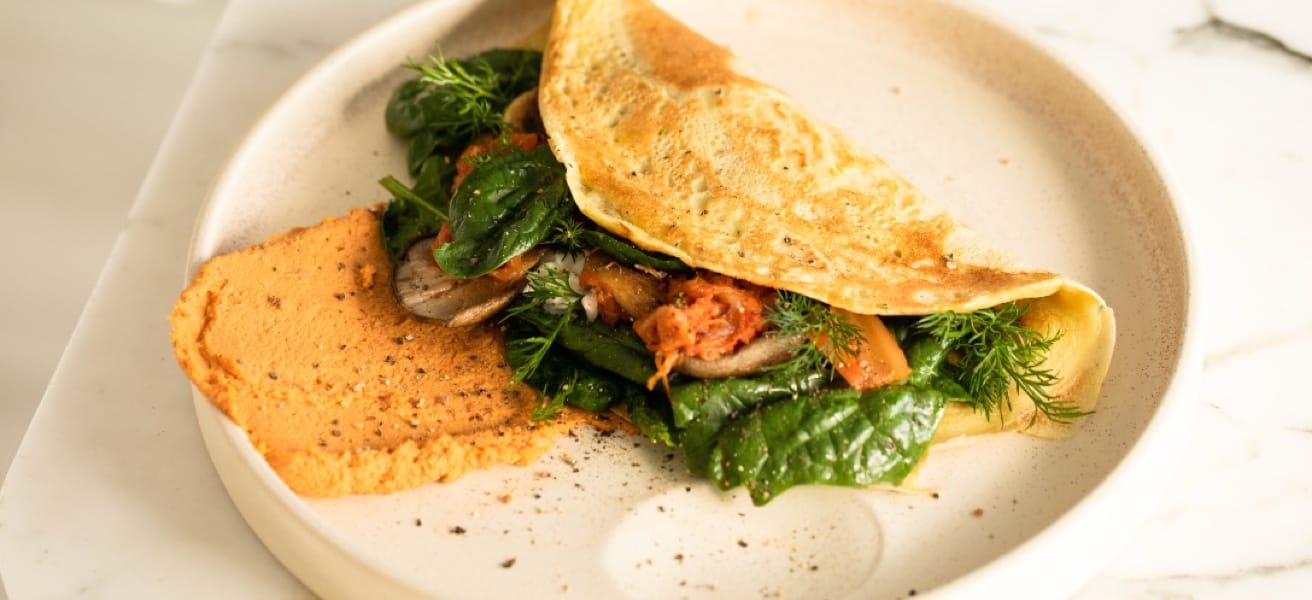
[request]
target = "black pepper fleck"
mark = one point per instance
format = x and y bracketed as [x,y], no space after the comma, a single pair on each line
[458,530]
[509,562]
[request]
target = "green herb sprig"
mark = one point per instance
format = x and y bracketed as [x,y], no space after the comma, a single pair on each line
[793,314]
[994,352]
[473,87]
[548,290]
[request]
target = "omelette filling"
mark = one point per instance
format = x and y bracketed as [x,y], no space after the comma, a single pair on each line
[706,316]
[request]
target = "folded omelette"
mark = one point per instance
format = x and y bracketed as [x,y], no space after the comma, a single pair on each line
[668,144]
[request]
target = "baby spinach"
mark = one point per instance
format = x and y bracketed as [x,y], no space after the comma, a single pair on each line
[617,350]
[504,207]
[839,437]
[409,217]
[433,181]
[578,385]
[627,253]
[564,379]
[701,408]
[454,100]
[651,415]
[781,429]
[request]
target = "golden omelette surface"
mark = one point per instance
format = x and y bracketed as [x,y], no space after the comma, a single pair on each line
[669,146]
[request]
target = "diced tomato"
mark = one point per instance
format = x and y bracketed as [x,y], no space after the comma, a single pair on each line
[465,164]
[707,316]
[877,362]
[517,266]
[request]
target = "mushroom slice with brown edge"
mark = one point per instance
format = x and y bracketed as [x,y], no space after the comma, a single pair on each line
[425,290]
[522,113]
[762,352]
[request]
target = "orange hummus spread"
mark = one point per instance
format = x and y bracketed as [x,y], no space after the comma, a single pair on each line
[300,342]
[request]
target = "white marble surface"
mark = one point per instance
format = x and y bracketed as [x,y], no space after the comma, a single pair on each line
[1220,90]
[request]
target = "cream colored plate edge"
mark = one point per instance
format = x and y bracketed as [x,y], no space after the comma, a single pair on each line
[973,113]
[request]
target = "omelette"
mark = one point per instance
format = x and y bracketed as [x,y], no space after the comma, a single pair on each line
[667,143]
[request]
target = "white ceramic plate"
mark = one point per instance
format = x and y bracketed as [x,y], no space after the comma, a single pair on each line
[974,114]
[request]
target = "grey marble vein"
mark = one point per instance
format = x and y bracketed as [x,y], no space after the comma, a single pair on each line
[1218,25]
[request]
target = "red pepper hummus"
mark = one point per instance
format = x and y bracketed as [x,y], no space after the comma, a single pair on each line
[300,342]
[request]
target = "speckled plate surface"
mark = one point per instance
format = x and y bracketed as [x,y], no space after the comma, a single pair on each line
[982,120]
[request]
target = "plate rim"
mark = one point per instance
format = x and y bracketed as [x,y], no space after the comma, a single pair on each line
[1156,449]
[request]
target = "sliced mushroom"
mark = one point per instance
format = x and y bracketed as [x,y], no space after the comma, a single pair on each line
[427,291]
[522,112]
[637,293]
[758,354]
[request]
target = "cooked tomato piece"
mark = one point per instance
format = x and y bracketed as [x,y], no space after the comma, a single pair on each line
[876,362]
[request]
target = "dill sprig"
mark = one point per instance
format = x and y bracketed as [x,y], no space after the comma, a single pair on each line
[549,292]
[994,353]
[567,234]
[472,86]
[793,314]
[552,401]
[548,289]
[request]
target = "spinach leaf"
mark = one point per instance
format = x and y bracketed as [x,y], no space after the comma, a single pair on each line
[701,408]
[565,379]
[433,181]
[841,437]
[578,385]
[617,350]
[422,147]
[505,206]
[629,254]
[409,217]
[651,415]
[455,100]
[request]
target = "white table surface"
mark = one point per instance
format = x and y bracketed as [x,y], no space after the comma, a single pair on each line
[112,495]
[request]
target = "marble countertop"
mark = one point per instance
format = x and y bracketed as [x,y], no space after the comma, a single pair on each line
[1218,89]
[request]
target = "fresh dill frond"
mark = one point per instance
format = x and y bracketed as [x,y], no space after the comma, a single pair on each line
[552,402]
[549,290]
[473,87]
[567,234]
[994,353]
[548,293]
[527,353]
[829,335]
